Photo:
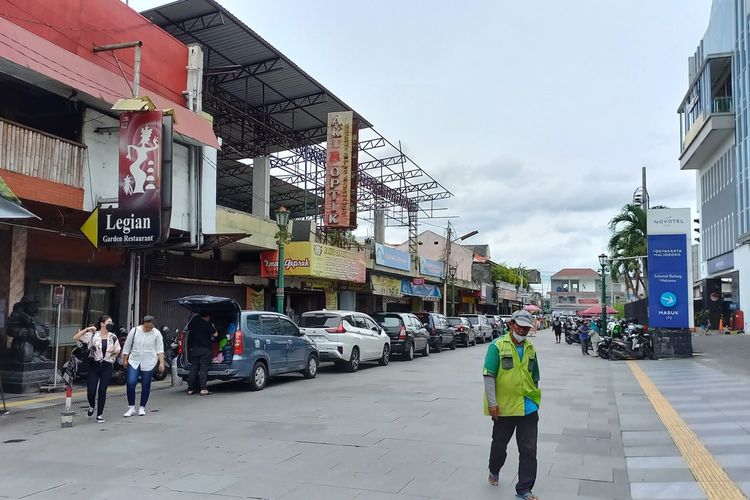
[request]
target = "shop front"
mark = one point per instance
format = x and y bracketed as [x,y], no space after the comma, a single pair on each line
[317,276]
[425,297]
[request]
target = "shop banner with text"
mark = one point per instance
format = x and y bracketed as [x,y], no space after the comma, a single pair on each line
[139,182]
[430,267]
[341,142]
[388,287]
[669,280]
[316,260]
[390,257]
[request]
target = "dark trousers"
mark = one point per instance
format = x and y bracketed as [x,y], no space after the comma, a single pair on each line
[200,358]
[100,375]
[557,336]
[526,437]
[146,377]
[585,346]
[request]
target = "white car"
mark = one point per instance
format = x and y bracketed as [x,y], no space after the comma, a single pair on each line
[347,338]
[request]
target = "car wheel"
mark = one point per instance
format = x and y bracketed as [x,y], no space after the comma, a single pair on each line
[311,370]
[452,345]
[409,354]
[439,346]
[259,376]
[353,364]
[386,357]
[426,351]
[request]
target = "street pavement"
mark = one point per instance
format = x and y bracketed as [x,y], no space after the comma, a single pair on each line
[726,353]
[412,430]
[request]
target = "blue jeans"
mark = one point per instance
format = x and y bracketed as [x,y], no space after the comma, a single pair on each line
[146,376]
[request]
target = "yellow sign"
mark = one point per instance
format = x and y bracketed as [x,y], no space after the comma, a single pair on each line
[388,287]
[90,228]
[332,302]
[302,258]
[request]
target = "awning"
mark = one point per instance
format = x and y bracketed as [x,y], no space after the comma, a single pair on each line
[10,205]
[26,55]
[429,291]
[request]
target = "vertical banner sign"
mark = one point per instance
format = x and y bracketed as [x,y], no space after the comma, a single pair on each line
[137,220]
[670,302]
[338,182]
[354,175]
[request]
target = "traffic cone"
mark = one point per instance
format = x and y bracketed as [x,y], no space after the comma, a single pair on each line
[721,324]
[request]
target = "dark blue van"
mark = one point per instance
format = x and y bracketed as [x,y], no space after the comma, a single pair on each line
[259,344]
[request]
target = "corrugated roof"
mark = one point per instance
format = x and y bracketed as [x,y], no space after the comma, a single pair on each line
[576,272]
[300,102]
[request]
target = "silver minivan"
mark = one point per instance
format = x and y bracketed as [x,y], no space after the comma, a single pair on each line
[481,326]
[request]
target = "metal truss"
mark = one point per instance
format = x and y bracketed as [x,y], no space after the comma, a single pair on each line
[390,180]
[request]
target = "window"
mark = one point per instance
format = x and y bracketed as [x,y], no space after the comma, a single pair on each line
[271,325]
[574,286]
[253,324]
[288,328]
[81,307]
[388,321]
[320,321]
[359,321]
[370,324]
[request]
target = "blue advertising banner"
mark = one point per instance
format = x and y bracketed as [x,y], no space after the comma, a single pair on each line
[668,300]
[390,257]
[430,267]
[424,291]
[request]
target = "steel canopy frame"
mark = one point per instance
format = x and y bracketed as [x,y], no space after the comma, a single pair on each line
[265,105]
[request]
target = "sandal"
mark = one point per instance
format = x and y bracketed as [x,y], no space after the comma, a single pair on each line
[527,496]
[493,479]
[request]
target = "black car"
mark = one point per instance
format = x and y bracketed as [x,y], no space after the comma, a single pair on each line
[408,334]
[464,331]
[441,332]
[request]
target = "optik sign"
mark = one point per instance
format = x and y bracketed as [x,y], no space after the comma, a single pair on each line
[670,302]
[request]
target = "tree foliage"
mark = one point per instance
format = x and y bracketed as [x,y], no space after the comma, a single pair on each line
[628,240]
[512,275]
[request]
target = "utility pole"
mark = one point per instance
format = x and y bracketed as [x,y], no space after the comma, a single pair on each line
[448,245]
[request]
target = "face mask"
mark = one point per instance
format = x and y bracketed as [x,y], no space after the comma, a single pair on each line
[519,338]
[110,327]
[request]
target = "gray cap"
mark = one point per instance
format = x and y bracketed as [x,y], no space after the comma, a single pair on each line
[148,319]
[522,318]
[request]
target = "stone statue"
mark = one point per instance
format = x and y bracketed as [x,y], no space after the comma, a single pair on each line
[30,335]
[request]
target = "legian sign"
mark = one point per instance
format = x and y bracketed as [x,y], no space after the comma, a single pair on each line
[340,179]
[670,302]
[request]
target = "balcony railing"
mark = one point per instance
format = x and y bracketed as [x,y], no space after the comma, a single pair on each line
[723,105]
[38,154]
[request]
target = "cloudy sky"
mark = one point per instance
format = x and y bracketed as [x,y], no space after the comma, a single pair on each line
[537,115]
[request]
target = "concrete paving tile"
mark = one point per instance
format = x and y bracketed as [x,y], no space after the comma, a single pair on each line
[594,472]
[646,438]
[202,483]
[600,489]
[317,492]
[652,451]
[727,440]
[678,491]
[659,462]
[670,475]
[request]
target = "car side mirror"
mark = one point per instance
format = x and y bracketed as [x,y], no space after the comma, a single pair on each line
[300,333]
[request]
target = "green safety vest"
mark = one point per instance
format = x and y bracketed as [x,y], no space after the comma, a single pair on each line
[514,379]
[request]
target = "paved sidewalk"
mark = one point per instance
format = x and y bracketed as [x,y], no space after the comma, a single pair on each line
[413,430]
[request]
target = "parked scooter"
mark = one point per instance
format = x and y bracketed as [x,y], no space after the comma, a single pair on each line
[170,351]
[603,347]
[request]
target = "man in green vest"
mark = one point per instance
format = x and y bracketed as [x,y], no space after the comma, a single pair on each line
[512,397]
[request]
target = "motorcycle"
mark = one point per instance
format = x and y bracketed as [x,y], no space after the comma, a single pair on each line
[603,347]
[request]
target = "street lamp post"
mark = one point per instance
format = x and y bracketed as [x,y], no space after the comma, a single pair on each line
[452,271]
[282,220]
[603,263]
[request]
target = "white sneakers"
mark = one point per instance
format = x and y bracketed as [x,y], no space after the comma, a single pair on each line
[131,411]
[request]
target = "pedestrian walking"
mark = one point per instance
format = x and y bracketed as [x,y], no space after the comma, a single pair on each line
[583,336]
[512,397]
[144,347]
[557,328]
[595,337]
[103,349]
[201,332]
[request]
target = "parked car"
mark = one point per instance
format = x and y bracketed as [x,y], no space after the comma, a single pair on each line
[441,332]
[259,344]
[347,338]
[464,332]
[481,326]
[408,334]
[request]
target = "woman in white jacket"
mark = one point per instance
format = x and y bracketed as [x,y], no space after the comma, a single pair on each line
[143,348]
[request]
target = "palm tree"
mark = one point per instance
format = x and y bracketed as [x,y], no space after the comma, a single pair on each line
[629,240]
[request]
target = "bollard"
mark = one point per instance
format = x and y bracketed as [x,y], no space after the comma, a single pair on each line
[66,416]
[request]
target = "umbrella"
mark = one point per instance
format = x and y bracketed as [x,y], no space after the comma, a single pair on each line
[10,205]
[596,310]
[532,308]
